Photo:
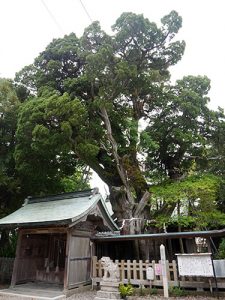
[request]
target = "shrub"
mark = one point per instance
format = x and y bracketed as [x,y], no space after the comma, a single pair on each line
[221,250]
[153,291]
[176,291]
[126,290]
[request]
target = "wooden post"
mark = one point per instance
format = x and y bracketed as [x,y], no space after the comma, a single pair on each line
[134,270]
[94,266]
[67,262]
[164,271]
[17,259]
[175,275]
[128,270]
[122,270]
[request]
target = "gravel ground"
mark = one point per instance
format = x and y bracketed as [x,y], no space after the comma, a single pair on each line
[91,295]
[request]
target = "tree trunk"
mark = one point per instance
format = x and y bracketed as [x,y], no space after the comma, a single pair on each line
[129,209]
[130,218]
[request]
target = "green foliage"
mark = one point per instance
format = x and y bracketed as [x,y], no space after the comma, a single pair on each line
[143,291]
[77,182]
[48,143]
[176,291]
[62,127]
[116,72]
[153,291]
[126,290]
[9,250]
[221,250]
[197,197]
[9,181]
[179,126]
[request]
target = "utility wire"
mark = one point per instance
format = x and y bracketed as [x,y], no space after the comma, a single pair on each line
[86,11]
[53,17]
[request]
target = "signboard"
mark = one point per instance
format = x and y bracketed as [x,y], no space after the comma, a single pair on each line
[150,273]
[219,265]
[195,264]
[158,269]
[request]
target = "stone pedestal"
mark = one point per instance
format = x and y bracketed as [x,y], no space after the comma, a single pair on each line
[109,290]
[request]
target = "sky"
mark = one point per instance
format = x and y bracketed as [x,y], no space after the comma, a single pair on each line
[27,27]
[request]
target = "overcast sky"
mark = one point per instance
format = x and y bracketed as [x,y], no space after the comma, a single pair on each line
[28,26]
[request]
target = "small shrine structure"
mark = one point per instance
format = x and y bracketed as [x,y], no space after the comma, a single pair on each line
[54,235]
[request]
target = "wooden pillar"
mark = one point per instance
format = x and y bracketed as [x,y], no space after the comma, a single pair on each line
[164,271]
[17,258]
[67,260]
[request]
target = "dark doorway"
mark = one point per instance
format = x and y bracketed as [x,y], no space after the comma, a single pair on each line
[41,258]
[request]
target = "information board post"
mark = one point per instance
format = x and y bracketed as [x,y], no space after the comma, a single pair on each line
[215,279]
[150,275]
[164,271]
[196,264]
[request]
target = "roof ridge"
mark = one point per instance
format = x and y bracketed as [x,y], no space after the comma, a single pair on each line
[62,196]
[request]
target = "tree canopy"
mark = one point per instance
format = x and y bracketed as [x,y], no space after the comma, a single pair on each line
[106,102]
[9,180]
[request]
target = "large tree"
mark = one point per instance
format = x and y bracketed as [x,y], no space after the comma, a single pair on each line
[92,94]
[105,101]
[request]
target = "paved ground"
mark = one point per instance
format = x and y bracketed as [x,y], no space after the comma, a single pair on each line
[31,291]
[90,296]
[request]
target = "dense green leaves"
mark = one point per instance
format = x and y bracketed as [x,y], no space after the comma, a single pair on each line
[105,101]
[197,198]
[179,125]
[60,61]
[49,124]
[9,181]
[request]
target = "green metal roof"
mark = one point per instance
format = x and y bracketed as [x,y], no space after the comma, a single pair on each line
[57,209]
[105,237]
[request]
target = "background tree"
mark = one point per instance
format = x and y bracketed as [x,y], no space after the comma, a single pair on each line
[182,161]
[44,174]
[44,145]
[9,183]
[179,126]
[195,198]
[10,191]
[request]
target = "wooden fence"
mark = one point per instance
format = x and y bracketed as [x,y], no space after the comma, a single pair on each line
[135,273]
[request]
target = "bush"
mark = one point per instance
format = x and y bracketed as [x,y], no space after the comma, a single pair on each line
[143,291]
[153,291]
[126,290]
[176,291]
[221,250]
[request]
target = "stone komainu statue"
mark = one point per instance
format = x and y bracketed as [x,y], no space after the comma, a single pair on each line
[111,270]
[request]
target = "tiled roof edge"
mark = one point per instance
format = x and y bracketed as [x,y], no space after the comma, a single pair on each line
[78,194]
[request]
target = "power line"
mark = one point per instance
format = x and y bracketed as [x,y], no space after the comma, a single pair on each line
[86,11]
[53,17]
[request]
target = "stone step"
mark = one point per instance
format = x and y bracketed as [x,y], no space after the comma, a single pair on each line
[108,295]
[97,298]
[109,289]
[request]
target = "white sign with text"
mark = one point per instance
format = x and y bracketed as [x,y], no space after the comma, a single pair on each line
[195,264]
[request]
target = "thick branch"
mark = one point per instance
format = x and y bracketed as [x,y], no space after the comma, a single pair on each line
[116,156]
[142,204]
[166,210]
